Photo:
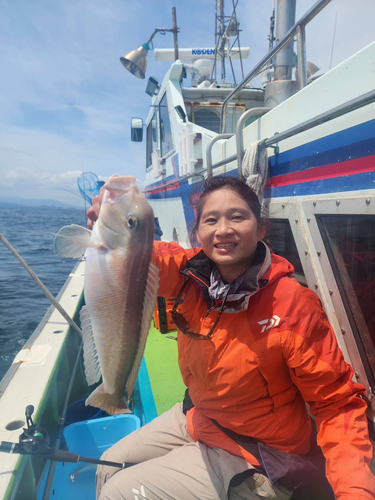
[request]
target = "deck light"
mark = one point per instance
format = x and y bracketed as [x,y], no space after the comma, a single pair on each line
[181,113]
[152,86]
[136,60]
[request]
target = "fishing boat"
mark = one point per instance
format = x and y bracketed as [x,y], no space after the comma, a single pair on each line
[319,136]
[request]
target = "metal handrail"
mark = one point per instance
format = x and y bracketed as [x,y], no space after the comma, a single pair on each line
[336,112]
[340,110]
[309,16]
[239,133]
[301,52]
[209,149]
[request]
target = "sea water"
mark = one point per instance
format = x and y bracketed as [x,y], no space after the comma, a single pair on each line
[31,231]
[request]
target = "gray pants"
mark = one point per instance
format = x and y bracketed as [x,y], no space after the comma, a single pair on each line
[171,466]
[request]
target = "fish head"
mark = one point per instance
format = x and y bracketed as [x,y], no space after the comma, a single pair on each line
[126,218]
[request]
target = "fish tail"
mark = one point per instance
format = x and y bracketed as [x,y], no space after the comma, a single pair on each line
[111,403]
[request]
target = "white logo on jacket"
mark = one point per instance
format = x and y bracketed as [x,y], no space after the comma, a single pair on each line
[141,492]
[269,323]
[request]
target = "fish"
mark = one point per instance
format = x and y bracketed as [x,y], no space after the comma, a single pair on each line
[120,291]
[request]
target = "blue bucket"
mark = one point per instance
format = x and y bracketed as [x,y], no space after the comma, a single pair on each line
[92,438]
[78,412]
[89,439]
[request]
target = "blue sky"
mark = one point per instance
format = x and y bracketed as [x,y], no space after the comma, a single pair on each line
[66,101]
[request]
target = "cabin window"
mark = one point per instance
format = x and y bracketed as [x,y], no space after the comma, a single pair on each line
[152,139]
[280,238]
[233,115]
[208,118]
[189,110]
[350,244]
[165,127]
[208,115]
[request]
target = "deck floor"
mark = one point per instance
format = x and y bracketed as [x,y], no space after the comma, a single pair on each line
[163,370]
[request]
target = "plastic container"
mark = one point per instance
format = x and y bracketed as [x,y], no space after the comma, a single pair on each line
[76,481]
[93,437]
[78,412]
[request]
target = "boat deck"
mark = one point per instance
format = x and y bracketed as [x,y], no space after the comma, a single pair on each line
[162,366]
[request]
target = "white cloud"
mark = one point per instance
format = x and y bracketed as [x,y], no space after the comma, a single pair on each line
[36,178]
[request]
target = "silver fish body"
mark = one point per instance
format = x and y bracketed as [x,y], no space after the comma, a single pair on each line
[120,292]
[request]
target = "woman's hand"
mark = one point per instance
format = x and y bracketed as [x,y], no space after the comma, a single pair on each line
[93,212]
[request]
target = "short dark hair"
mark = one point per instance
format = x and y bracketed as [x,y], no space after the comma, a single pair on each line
[212,184]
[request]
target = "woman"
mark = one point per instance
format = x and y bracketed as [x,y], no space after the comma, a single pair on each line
[254,346]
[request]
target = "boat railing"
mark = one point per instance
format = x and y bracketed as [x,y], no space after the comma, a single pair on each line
[213,141]
[239,133]
[331,114]
[297,30]
[239,140]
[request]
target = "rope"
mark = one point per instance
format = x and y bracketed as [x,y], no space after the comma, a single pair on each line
[255,168]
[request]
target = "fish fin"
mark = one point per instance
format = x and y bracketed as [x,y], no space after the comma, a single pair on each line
[148,309]
[72,241]
[90,353]
[110,403]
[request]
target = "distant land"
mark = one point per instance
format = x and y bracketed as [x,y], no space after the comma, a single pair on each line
[36,203]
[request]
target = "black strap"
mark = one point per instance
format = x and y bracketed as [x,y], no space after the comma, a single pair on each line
[242,476]
[187,403]
[248,443]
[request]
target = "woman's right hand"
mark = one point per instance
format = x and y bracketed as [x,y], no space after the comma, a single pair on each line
[94,210]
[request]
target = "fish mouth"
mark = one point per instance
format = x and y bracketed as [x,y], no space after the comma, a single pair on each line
[118,186]
[120,183]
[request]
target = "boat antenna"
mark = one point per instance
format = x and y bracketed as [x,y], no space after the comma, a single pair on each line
[223,40]
[226,27]
[333,41]
[271,36]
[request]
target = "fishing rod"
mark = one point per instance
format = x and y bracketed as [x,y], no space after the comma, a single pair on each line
[41,285]
[60,426]
[35,441]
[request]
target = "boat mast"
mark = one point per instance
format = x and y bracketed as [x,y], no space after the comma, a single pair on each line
[175,31]
[222,45]
[271,36]
[284,60]
[226,27]
[282,85]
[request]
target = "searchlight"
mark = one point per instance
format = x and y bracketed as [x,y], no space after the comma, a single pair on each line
[136,60]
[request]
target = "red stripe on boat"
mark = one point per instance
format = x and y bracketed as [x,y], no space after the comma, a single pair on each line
[340,169]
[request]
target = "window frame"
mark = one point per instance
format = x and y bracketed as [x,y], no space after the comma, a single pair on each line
[149,124]
[301,213]
[349,204]
[363,344]
[171,150]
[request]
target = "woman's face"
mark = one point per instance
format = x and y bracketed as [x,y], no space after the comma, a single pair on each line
[228,232]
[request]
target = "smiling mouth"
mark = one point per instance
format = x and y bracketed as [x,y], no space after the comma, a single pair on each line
[226,245]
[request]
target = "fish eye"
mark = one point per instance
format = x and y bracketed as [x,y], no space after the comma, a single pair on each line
[132,221]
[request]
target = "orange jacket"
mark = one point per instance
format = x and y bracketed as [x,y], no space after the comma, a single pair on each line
[263,362]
